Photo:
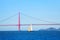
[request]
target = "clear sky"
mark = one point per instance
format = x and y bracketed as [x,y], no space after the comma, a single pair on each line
[48,10]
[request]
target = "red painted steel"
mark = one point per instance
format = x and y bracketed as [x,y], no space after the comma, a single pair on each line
[27,25]
[19,21]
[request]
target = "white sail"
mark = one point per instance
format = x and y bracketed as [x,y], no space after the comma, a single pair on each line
[30,28]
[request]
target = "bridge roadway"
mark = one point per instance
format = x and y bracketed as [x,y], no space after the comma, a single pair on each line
[27,24]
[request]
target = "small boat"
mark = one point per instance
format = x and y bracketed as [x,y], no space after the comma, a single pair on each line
[30,28]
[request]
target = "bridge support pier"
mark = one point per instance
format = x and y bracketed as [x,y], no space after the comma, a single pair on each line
[19,21]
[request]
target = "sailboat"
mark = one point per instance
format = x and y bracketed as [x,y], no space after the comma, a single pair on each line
[30,28]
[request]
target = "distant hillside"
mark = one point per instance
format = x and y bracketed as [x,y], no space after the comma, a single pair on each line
[51,29]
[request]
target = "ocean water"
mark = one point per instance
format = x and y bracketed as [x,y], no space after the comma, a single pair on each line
[34,35]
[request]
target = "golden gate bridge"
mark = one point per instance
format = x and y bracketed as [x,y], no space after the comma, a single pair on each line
[19,24]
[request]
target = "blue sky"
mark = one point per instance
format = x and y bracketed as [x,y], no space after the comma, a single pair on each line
[48,10]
